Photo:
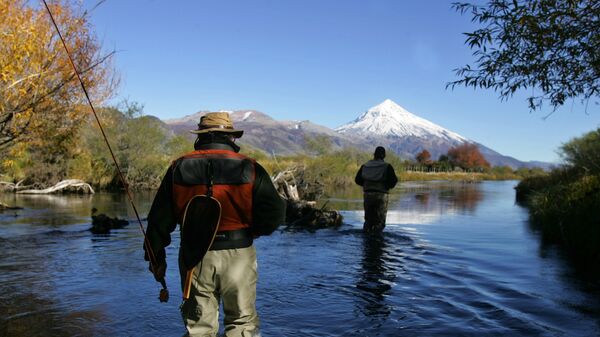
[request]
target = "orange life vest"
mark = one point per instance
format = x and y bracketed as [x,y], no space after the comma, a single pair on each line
[232,184]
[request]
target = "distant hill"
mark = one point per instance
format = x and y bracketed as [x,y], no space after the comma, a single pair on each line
[265,133]
[386,124]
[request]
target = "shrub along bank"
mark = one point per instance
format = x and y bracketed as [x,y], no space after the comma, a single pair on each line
[565,204]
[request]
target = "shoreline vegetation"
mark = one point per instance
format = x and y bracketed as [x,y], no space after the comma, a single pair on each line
[565,204]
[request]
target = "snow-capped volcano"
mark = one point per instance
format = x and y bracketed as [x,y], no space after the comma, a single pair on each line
[386,124]
[390,119]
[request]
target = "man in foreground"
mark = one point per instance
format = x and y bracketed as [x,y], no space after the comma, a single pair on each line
[376,178]
[250,207]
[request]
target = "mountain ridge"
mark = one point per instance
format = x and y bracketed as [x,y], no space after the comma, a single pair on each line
[386,124]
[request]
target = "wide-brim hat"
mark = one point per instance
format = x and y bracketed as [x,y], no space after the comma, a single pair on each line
[217,122]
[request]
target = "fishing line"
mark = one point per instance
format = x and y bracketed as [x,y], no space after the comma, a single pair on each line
[164,292]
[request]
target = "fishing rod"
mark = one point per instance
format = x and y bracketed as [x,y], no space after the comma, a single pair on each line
[164,292]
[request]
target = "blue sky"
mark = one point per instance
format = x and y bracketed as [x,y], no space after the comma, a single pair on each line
[322,60]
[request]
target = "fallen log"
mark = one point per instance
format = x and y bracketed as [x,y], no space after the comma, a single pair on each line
[6,186]
[65,186]
[294,184]
[286,185]
[304,213]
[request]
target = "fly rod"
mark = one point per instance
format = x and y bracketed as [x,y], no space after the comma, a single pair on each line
[164,292]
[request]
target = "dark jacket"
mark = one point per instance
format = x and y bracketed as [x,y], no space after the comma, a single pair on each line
[267,208]
[376,176]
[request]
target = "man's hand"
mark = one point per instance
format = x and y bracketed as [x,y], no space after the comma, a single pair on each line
[159,270]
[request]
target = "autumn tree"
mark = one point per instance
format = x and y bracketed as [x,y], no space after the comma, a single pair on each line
[143,145]
[40,98]
[549,47]
[467,156]
[41,102]
[424,157]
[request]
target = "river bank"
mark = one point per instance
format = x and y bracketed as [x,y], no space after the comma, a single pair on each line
[565,204]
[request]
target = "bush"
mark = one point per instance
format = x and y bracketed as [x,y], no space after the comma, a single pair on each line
[565,204]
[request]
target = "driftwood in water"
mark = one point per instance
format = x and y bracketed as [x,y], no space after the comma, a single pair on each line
[6,186]
[4,206]
[102,224]
[291,185]
[295,185]
[65,186]
[286,185]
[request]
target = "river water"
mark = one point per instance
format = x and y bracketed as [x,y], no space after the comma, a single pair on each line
[455,260]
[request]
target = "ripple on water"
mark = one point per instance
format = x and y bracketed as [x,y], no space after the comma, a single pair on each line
[455,261]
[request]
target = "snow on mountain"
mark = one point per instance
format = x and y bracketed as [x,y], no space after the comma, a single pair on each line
[247,114]
[386,124]
[390,119]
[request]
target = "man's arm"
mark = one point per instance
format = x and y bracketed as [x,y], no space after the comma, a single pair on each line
[391,178]
[162,219]
[268,209]
[359,179]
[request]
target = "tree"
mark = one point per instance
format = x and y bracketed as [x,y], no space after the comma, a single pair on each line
[550,46]
[583,152]
[467,156]
[443,163]
[143,145]
[39,95]
[424,157]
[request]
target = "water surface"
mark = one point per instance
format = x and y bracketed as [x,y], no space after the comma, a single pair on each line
[455,260]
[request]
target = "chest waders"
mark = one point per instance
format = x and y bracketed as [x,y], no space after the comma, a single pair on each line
[198,229]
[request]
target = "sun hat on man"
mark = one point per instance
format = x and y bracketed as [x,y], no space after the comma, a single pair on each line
[217,122]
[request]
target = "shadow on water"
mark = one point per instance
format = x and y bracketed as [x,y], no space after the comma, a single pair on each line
[25,314]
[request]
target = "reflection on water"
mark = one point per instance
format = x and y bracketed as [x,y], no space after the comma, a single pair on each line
[460,197]
[419,202]
[455,260]
[376,277]
[434,195]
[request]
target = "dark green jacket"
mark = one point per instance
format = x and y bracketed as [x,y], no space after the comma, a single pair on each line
[376,176]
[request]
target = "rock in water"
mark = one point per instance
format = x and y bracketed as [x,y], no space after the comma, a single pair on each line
[102,224]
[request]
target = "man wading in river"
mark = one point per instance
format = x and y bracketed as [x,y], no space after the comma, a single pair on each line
[377,178]
[250,207]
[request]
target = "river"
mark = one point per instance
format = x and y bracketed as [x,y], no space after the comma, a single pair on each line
[455,260]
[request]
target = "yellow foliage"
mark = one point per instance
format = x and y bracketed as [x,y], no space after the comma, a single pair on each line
[39,97]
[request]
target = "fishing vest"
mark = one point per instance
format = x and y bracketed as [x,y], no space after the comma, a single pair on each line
[232,184]
[374,175]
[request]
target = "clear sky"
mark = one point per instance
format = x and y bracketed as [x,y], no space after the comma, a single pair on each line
[326,61]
